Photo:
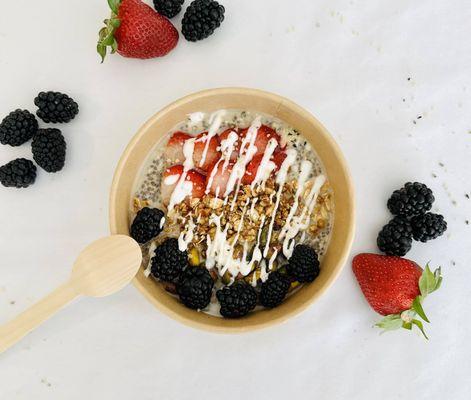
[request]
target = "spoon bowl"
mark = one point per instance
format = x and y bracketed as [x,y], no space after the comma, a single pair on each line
[106,266]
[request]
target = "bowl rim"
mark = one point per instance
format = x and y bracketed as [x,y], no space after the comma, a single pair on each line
[119,170]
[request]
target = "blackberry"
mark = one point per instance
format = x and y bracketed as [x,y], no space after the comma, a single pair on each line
[18,127]
[428,226]
[201,18]
[168,261]
[274,289]
[147,224]
[237,300]
[195,287]
[169,8]
[49,149]
[55,107]
[411,200]
[19,173]
[303,265]
[395,238]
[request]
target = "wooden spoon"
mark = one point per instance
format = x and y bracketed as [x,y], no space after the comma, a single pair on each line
[101,269]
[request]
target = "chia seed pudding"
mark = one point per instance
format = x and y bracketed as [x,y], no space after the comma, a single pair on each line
[244,195]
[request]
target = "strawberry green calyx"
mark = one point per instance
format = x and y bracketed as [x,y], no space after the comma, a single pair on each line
[106,36]
[429,282]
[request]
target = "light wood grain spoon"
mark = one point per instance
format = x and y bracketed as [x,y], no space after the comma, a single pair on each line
[101,269]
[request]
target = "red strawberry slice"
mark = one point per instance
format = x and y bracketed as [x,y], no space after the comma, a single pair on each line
[278,158]
[218,177]
[199,183]
[236,147]
[136,30]
[264,134]
[174,149]
[395,287]
[212,152]
[253,166]
[170,179]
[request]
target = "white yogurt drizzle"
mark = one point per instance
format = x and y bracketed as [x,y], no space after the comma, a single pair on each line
[280,180]
[305,170]
[247,151]
[301,222]
[186,237]
[266,166]
[215,121]
[184,187]
[226,148]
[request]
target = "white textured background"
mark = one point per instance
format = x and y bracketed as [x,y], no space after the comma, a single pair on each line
[349,62]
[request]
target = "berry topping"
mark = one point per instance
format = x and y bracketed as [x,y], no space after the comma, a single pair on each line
[171,177]
[48,148]
[253,166]
[195,287]
[136,30]
[201,18]
[237,300]
[147,224]
[230,139]
[428,226]
[206,154]
[395,287]
[218,177]
[169,8]
[18,127]
[413,199]
[303,266]
[168,261]
[19,173]
[264,134]
[55,107]
[395,239]
[274,289]
[174,149]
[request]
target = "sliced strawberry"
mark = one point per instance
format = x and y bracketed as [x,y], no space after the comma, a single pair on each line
[170,179]
[199,183]
[264,134]
[251,170]
[223,138]
[252,167]
[212,152]
[174,150]
[278,159]
[218,177]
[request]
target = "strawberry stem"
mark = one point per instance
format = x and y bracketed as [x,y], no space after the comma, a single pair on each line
[106,36]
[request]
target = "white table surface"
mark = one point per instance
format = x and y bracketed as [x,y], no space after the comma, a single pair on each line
[349,62]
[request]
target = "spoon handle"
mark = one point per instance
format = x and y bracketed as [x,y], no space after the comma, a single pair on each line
[28,320]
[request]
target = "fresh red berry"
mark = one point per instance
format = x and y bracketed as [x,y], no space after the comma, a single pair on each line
[136,30]
[264,134]
[224,136]
[206,154]
[174,150]
[171,177]
[218,177]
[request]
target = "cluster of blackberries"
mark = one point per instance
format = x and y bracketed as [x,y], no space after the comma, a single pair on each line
[410,205]
[48,145]
[194,284]
[200,20]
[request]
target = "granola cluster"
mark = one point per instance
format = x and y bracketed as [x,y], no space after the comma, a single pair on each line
[250,213]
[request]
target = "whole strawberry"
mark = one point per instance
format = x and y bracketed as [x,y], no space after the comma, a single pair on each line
[136,30]
[395,287]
